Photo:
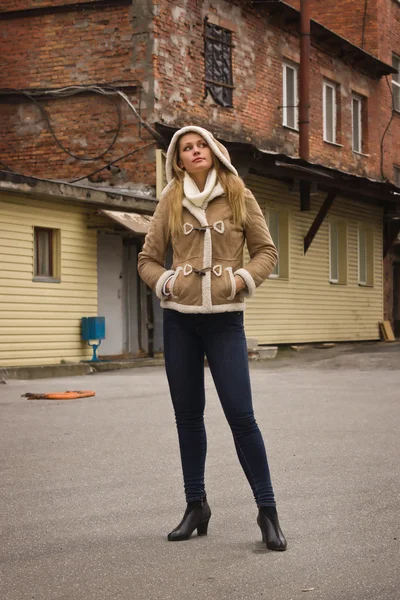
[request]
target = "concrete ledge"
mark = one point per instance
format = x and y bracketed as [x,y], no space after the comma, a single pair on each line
[45,371]
[101,367]
[263,353]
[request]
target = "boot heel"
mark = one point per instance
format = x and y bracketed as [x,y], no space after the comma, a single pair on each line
[202,528]
[264,537]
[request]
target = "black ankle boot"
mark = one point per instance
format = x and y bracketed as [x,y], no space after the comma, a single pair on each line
[197,516]
[268,522]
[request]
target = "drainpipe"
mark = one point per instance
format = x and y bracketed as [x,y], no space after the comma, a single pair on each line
[304,98]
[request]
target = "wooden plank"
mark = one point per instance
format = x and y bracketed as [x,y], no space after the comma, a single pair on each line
[387,332]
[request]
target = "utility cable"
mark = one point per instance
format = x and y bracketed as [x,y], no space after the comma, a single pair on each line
[110,92]
[113,162]
[59,143]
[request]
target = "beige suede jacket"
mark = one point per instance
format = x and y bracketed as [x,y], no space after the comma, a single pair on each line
[206,256]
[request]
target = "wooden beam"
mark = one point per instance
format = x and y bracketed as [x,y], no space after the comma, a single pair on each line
[305,189]
[393,229]
[319,219]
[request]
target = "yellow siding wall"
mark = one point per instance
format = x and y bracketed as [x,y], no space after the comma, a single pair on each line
[40,322]
[306,307]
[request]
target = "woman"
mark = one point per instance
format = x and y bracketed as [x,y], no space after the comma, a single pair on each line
[206,214]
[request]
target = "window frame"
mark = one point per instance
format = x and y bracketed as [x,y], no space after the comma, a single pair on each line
[368,234]
[396,82]
[331,278]
[396,175]
[285,102]
[341,251]
[360,100]
[334,88]
[54,275]
[281,270]
[276,272]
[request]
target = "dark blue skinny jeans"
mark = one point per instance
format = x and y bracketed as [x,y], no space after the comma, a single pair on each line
[187,338]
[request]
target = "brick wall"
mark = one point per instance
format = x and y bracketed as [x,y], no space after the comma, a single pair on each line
[260,47]
[105,45]
[348,18]
[101,45]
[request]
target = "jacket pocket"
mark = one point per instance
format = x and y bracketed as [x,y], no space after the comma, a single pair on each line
[173,288]
[232,283]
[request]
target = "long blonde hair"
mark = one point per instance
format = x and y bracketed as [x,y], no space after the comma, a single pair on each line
[233,186]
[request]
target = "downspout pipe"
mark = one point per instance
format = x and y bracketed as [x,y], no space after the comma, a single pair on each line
[304,84]
[304,98]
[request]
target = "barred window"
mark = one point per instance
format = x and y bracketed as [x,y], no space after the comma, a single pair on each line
[218,63]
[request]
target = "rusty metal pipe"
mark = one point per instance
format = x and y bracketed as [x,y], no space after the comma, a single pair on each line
[304,84]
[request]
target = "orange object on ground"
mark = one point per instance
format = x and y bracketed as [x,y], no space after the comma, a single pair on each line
[69,395]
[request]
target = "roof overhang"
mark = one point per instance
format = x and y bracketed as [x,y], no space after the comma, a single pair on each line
[286,15]
[125,200]
[133,222]
[283,167]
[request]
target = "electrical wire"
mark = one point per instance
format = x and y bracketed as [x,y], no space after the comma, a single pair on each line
[113,162]
[46,116]
[110,92]
[387,128]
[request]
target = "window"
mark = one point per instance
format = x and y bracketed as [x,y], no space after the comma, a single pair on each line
[46,254]
[161,177]
[278,224]
[290,97]
[357,102]
[329,111]
[396,82]
[218,63]
[338,252]
[396,173]
[365,256]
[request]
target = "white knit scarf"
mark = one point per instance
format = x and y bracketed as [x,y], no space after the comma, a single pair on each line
[212,189]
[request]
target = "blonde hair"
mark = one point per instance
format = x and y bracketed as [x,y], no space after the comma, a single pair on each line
[233,186]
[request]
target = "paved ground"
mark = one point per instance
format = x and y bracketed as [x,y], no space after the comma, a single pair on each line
[90,488]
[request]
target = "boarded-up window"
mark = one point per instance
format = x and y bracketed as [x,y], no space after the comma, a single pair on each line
[218,63]
[46,259]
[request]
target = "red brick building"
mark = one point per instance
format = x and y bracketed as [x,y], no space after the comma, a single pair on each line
[229,66]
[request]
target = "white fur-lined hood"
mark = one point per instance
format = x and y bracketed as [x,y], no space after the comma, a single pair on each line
[217,148]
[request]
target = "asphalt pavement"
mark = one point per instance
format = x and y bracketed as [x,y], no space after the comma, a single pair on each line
[90,488]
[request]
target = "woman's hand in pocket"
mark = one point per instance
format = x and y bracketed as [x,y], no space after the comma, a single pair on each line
[240,284]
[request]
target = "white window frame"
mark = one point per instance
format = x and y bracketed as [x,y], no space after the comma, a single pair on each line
[396,175]
[396,82]
[275,272]
[331,278]
[359,99]
[366,235]
[333,87]
[290,103]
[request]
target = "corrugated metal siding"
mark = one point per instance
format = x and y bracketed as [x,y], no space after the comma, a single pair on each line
[40,322]
[306,307]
